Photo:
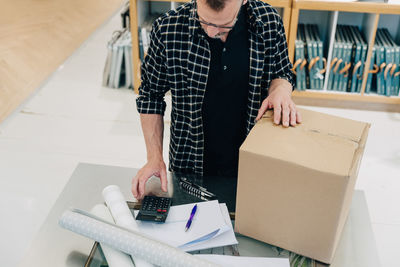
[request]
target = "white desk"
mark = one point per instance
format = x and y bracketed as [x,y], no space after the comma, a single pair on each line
[54,246]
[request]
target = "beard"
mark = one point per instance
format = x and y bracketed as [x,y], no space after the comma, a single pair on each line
[218,35]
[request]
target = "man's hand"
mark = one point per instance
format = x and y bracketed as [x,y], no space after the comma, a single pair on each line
[156,168]
[153,128]
[279,98]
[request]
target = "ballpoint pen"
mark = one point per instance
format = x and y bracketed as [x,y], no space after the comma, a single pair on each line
[189,222]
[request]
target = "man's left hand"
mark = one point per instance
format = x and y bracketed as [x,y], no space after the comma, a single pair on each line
[279,98]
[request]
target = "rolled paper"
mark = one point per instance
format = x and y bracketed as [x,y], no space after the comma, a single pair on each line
[118,207]
[115,258]
[128,241]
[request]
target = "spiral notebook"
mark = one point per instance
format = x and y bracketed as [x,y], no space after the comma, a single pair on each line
[195,190]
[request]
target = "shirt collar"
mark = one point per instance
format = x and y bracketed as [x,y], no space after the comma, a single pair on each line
[254,18]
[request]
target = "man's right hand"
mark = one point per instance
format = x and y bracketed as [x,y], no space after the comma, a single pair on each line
[152,167]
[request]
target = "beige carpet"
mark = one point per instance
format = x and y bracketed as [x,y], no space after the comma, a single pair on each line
[36,36]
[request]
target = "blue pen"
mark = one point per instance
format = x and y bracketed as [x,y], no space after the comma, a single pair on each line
[189,222]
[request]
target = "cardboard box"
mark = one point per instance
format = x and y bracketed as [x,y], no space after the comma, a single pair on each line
[295,184]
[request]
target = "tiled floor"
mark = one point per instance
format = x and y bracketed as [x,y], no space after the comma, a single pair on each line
[72,119]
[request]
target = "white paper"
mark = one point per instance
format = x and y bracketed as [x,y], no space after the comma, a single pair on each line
[130,242]
[226,238]
[235,261]
[208,223]
[115,258]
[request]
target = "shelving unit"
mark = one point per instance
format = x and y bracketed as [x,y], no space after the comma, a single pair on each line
[283,7]
[371,13]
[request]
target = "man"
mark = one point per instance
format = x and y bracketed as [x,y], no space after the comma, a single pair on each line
[225,63]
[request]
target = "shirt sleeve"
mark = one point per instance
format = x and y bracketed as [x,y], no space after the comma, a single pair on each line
[282,64]
[154,76]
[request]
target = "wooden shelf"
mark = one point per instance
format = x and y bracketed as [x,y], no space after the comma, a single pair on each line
[347,100]
[348,96]
[372,13]
[360,7]
[280,3]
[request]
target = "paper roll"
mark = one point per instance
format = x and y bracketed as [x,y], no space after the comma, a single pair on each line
[121,213]
[130,242]
[118,207]
[114,257]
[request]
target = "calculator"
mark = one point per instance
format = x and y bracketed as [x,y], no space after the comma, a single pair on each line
[154,209]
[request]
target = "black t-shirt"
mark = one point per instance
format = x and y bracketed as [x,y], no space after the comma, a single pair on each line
[225,101]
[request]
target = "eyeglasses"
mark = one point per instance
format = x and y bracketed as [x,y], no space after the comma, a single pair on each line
[208,24]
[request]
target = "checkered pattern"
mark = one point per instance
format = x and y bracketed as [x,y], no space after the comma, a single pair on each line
[178,60]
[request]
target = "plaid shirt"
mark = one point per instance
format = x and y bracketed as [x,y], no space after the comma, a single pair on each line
[178,60]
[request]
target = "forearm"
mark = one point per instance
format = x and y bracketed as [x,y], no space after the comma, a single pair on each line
[280,84]
[153,129]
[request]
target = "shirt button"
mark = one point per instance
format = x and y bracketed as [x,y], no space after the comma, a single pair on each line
[225,67]
[224,49]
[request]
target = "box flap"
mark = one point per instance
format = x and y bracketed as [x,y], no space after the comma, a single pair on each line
[322,142]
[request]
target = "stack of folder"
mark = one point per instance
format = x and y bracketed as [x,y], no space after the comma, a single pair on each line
[358,58]
[310,64]
[384,75]
[118,69]
[300,62]
[348,60]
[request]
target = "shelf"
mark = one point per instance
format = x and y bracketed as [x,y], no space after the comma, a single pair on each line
[280,3]
[361,7]
[348,96]
[347,100]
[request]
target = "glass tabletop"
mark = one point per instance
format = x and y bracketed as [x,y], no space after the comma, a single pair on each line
[224,188]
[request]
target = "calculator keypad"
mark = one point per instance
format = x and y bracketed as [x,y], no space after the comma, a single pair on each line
[154,209]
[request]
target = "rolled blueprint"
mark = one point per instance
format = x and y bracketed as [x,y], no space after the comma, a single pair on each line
[121,213]
[130,242]
[115,258]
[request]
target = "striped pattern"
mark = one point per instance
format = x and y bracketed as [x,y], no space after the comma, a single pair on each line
[178,60]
